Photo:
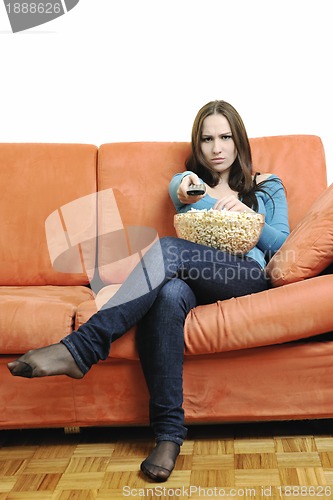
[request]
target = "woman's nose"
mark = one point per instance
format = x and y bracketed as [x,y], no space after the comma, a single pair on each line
[217,147]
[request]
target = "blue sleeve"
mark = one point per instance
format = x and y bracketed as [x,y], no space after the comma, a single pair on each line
[173,188]
[273,204]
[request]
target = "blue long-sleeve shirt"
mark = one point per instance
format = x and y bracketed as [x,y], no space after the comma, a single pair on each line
[272,204]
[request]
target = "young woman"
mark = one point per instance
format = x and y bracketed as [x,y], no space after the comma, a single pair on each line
[159,302]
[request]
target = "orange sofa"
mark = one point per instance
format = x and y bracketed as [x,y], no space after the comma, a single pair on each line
[65,207]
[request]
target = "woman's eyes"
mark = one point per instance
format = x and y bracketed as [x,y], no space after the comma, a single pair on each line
[223,137]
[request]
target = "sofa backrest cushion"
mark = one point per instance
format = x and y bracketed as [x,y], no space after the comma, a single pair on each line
[299,160]
[39,183]
[134,207]
[133,180]
[308,250]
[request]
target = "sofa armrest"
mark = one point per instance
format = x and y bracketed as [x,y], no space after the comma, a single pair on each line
[278,315]
[308,250]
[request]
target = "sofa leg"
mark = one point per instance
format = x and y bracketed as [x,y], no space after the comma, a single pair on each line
[72,430]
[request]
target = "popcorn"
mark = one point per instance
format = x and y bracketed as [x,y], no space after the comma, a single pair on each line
[234,232]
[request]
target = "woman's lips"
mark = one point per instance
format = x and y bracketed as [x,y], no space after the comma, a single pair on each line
[217,160]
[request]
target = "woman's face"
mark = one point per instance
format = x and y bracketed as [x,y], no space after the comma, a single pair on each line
[217,144]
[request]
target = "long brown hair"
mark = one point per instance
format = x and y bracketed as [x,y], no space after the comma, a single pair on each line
[240,178]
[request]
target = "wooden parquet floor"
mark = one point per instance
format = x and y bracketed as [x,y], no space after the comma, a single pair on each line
[257,460]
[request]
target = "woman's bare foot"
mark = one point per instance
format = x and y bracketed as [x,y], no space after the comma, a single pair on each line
[160,463]
[51,360]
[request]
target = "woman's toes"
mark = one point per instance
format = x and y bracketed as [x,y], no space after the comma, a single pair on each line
[161,462]
[20,369]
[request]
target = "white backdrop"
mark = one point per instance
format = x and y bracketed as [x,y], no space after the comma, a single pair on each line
[131,70]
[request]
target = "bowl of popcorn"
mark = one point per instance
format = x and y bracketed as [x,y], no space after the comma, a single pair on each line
[234,232]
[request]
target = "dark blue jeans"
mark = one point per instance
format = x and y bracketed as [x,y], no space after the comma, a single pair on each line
[174,276]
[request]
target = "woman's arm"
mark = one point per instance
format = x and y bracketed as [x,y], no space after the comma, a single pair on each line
[178,189]
[273,203]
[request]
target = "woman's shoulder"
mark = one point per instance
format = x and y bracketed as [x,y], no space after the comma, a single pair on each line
[267,181]
[268,185]
[258,177]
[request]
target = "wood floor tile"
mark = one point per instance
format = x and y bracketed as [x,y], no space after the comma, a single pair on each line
[211,478]
[294,444]
[254,445]
[328,475]
[17,453]
[324,443]
[13,467]
[45,466]
[30,495]
[311,475]
[256,477]
[88,464]
[75,495]
[302,476]
[299,459]
[212,462]
[255,461]
[92,449]
[7,483]
[120,464]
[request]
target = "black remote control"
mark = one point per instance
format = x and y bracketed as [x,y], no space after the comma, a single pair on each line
[196,189]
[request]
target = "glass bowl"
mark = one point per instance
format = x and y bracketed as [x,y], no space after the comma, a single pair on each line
[234,232]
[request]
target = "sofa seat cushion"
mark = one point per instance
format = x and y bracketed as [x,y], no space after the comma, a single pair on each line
[271,317]
[308,250]
[275,316]
[34,316]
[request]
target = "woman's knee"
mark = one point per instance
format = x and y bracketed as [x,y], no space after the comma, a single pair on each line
[176,292]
